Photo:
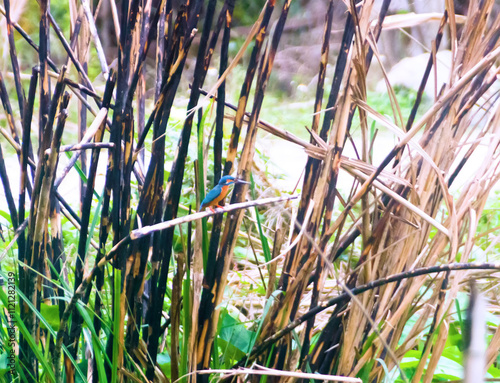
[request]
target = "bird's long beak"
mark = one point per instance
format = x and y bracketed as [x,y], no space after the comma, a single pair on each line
[238,181]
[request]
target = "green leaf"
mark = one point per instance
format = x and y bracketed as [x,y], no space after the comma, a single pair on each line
[27,336]
[267,307]
[4,363]
[83,367]
[263,239]
[234,336]
[493,372]
[95,220]
[186,296]
[99,351]
[364,373]
[47,368]
[163,361]
[51,315]
[116,322]
[411,359]
[201,181]
[5,215]
[448,369]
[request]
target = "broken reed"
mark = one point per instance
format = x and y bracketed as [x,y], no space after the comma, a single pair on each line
[126,328]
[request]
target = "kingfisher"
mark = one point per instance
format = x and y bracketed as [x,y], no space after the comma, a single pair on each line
[219,192]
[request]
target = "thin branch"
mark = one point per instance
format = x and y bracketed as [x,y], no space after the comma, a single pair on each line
[148,230]
[272,372]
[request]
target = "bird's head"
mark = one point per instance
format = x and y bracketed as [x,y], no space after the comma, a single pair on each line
[229,180]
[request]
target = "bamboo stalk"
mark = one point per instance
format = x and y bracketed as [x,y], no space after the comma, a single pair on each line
[14,60]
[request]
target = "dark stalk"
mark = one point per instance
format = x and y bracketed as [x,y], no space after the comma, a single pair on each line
[4,97]
[8,192]
[314,127]
[72,55]
[165,17]
[105,226]
[43,54]
[150,207]
[246,87]
[145,44]
[93,145]
[39,216]
[24,179]
[425,78]
[77,320]
[50,166]
[15,62]
[227,13]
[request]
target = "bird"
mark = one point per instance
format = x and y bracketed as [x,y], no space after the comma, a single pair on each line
[219,192]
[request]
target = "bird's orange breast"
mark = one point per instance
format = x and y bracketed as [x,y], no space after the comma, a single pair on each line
[222,195]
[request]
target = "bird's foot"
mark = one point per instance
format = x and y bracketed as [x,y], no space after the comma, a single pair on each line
[212,208]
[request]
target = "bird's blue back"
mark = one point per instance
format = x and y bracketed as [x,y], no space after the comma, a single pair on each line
[212,194]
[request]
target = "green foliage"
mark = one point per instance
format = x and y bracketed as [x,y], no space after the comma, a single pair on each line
[51,315]
[233,338]
[450,365]
[406,99]
[164,363]
[248,12]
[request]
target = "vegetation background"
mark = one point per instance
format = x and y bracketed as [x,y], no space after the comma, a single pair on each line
[368,132]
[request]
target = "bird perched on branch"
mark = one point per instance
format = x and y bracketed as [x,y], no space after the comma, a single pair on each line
[218,193]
